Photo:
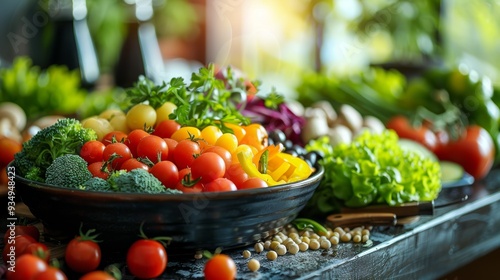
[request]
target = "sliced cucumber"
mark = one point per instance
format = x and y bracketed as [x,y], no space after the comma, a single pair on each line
[413,146]
[451,171]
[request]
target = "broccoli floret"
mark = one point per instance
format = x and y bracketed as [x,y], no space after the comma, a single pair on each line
[140,181]
[35,174]
[66,136]
[112,179]
[96,184]
[68,171]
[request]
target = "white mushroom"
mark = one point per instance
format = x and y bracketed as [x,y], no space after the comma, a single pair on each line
[340,134]
[316,124]
[14,113]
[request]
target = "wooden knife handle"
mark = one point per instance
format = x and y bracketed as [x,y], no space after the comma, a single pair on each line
[360,219]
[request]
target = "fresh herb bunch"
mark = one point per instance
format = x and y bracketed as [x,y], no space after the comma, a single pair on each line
[206,101]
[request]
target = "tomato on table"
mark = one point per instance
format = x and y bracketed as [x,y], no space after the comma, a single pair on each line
[97,275]
[83,253]
[38,249]
[220,267]
[421,134]
[19,242]
[8,148]
[146,258]
[23,230]
[27,266]
[51,273]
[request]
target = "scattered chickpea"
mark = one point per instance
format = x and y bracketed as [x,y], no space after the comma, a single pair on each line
[246,254]
[334,240]
[281,250]
[267,244]
[325,244]
[314,244]
[365,238]
[303,246]
[273,245]
[258,247]
[253,265]
[339,230]
[365,232]
[271,255]
[356,238]
[293,248]
[277,239]
[306,239]
[346,237]
[293,235]
[335,234]
[198,255]
[314,236]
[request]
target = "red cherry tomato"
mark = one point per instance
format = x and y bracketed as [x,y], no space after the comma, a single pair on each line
[97,275]
[117,153]
[27,266]
[19,244]
[51,273]
[22,230]
[92,151]
[186,183]
[146,259]
[96,169]
[421,134]
[185,153]
[171,143]
[167,172]
[38,249]
[222,152]
[82,254]
[220,267]
[8,148]
[166,128]
[253,183]
[236,174]
[133,163]
[133,139]
[114,137]
[474,151]
[208,167]
[152,147]
[220,185]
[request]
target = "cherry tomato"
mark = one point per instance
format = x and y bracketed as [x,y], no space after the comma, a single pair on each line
[19,243]
[166,128]
[220,267]
[146,258]
[185,153]
[208,167]
[171,143]
[27,266]
[133,139]
[474,151]
[186,132]
[133,163]
[82,255]
[163,112]
[223,153]
[51,273]
[118,153]
[38,249]
[97,275]
[167,172]
[186,183]
[220,185]
[253,183]
[96,169]
[141,116]
[92,151]
[114,137]
[420,134]
[153,148]
[22,230]
[8,147]
[236,174]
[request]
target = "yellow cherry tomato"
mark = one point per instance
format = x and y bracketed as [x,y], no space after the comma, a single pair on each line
[141,116]
[186,132]
[99,125]
[209,136]
[164,111]
[110,113]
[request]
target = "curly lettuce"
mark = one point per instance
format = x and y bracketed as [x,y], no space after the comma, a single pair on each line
[373,169]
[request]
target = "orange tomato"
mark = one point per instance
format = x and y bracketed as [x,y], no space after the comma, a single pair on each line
[8,147]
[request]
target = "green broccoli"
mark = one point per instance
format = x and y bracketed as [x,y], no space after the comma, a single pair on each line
[96,184]
[139,181]
[68,171]
[66,136]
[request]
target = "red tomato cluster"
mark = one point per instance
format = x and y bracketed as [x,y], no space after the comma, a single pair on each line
[473,149]
[182,158]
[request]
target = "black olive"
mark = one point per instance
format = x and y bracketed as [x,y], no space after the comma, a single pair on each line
[278,136]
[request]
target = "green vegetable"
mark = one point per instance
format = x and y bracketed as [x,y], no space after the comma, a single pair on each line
[68,171]
[96,184]
[373,169]
[205,101]
[451,171]
[55,90]
[66,136]
[303,223]
[139,181]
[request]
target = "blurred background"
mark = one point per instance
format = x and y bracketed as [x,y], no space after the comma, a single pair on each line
[111,42]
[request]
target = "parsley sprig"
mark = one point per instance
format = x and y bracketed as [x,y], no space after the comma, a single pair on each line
[205,101]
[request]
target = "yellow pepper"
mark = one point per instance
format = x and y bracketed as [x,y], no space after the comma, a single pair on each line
[245,158]
[299,169]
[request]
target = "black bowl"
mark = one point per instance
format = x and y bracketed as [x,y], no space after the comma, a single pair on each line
[193,221]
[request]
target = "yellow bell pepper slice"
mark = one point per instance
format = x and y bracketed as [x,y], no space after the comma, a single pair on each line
[245,158]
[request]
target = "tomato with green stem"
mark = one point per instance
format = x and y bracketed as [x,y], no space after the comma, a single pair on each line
[185,152]
[83,253]
[153,148]
[220,267]
[19,242]
[147,258]
[114,137]
[99,169]
[116,154]
[186,184]
[208,167]
[27,267]
[38,249]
